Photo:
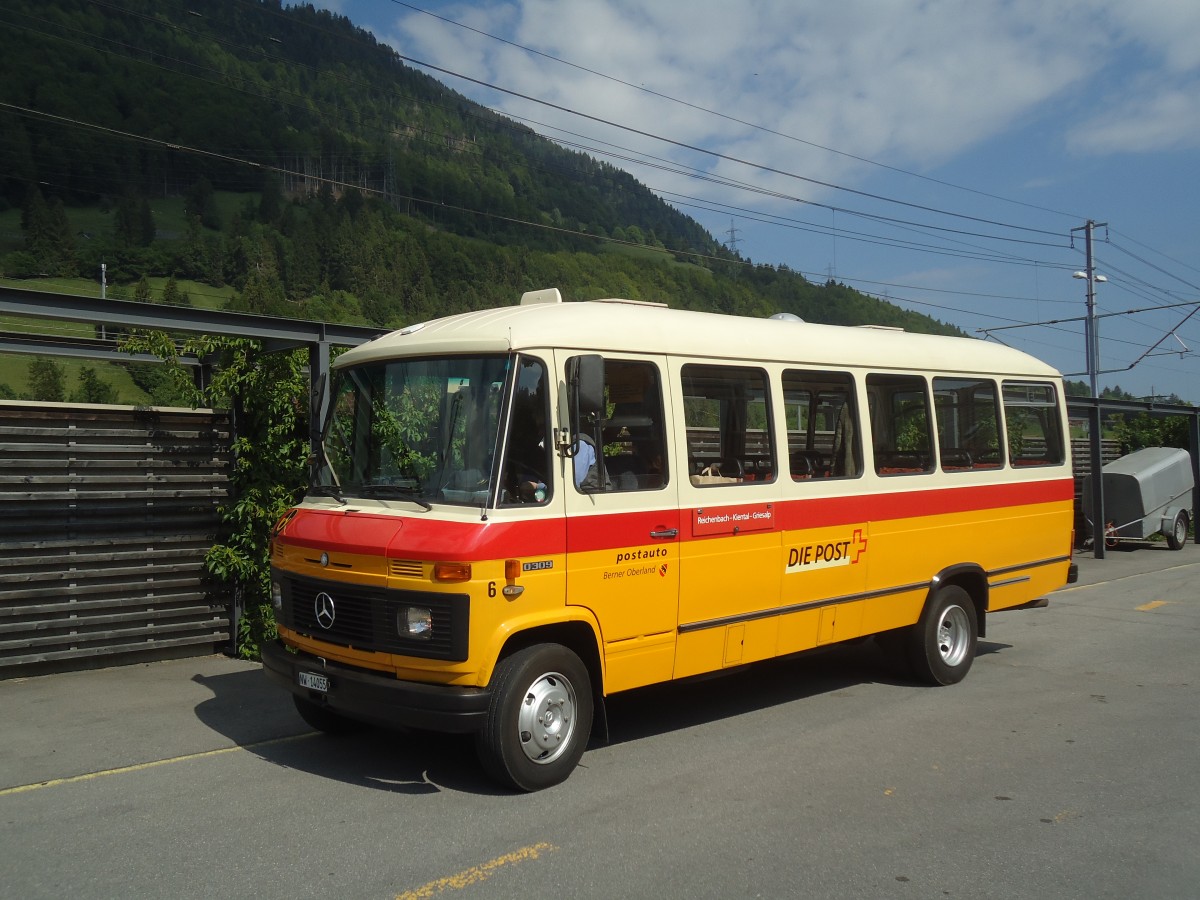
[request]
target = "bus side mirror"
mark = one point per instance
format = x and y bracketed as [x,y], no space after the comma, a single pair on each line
[589,386]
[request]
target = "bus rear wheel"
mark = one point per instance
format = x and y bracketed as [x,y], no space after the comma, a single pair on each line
[539,718]
[941,646]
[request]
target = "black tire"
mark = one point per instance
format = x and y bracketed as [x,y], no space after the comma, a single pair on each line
[1177,536]
[325,719]
[539,719]
[942,644]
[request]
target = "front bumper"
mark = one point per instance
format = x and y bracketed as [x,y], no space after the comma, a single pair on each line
[378,699]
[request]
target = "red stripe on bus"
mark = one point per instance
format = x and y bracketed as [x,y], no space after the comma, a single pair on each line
[414,537]
[817,513]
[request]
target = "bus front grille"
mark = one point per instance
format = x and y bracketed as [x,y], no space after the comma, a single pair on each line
[365,618]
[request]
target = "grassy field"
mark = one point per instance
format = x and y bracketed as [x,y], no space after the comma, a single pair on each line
[14,368]
[14,372]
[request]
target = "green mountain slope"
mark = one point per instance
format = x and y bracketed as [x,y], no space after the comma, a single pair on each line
[286,153]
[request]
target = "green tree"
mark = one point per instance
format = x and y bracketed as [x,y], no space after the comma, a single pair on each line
[141,292]
[46,381]
[270,204]
[92,389]
[262,294]
[200,202]
[133,223]
[1144,430]
[49,239]
[173,296]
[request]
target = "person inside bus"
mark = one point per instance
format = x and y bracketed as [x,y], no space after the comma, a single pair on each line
[587,471]
[528,457]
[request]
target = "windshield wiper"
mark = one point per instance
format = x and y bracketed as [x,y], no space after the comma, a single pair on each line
[395,490]
[327,490]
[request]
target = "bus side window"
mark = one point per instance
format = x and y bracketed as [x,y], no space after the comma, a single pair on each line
[968,424]
[1031,420]
[822,425]
[527,464]
[727,417]
[630,454]
[901,422]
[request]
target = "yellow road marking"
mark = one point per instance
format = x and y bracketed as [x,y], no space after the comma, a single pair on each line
[476,874]
[139,767]
[1153,604]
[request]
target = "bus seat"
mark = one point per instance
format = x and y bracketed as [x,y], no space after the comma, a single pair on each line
[806,464]
[731,467]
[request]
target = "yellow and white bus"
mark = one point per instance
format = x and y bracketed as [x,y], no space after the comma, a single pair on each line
[522,511]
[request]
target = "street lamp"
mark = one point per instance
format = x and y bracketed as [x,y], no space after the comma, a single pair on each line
[1091,336]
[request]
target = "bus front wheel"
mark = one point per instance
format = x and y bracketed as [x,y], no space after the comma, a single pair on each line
[942,644]
[539,718]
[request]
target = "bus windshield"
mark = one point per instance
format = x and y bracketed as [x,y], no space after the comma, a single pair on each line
[414,429]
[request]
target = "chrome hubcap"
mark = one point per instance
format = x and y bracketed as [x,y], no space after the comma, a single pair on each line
[546,721]
[953,635]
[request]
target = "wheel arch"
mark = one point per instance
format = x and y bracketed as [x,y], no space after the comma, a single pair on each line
[580,638]
[971,578]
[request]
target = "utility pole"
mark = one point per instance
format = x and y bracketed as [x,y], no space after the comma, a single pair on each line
[1092,348]
[1091,333]
[103,294]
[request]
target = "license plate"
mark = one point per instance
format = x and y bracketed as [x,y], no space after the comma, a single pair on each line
[313,681]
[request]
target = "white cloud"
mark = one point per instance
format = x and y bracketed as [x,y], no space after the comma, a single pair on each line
[911,83]
[1152,118]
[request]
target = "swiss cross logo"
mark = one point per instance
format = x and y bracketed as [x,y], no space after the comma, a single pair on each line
[858,546]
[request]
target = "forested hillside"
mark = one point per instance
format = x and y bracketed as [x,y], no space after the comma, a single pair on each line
[287,157]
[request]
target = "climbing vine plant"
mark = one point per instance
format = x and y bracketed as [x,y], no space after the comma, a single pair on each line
[267,394]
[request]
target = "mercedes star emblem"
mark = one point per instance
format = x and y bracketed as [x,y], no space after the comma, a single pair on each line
[325,610]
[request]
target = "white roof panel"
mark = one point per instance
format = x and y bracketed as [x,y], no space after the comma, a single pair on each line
[631,327]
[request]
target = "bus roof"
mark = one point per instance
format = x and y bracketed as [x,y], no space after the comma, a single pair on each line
[625,326]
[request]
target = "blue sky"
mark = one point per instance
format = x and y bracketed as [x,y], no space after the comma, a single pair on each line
[938,153]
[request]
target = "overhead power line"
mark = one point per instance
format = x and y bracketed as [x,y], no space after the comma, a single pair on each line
[712,112]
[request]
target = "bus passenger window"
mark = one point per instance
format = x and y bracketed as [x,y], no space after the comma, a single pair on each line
[626,450]
[727,417]
[968,424]
[822,425]
[1031,419]
[900,424]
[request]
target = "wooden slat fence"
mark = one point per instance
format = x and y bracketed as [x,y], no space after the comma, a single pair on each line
[107,515]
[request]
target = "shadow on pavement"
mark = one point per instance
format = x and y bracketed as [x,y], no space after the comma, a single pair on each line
[709,698]
[415,762]
[401,762]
